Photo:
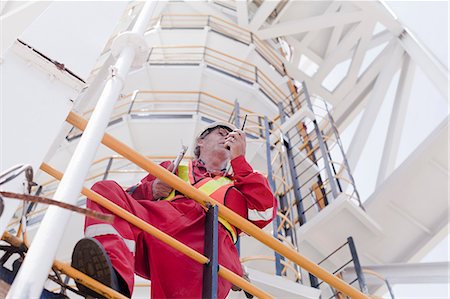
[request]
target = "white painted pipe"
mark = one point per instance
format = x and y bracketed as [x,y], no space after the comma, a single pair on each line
[31,278]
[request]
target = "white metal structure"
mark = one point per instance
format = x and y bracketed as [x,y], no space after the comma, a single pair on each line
[32,275]
[355,55]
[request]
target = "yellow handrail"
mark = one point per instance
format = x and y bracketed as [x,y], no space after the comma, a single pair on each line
[266,83]
[223,272]
[224,27]
[204,100]
[118,157]
[175,92]
[236,220]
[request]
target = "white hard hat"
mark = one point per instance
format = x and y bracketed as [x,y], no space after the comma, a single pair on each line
[211,126]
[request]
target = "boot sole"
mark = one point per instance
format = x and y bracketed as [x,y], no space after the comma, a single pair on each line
[90,257]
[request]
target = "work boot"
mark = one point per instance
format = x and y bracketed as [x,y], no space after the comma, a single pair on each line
[237,289]
[90,257]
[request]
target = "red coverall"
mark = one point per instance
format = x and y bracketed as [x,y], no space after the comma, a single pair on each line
[173,274]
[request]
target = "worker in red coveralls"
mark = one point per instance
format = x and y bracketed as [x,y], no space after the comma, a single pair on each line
[113,253]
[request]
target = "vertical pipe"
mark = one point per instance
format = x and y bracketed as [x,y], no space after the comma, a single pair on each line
[210,269]
[34,270]
[237,123]
[296,189]
[108,168]
[293,172]
[358,268]
[330,175]
[260,127]
[333,168]
[283,202]
[297,194]
[237,120]
[273,187]
[133,98]
[389,289]
[344,157]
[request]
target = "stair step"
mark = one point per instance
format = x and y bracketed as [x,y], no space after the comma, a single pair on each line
[278,286]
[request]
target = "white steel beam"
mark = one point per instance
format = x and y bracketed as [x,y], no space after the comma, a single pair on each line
[343,50]
[435,71]
[300,49]
[242,13]
[369,74]
[310,24]
[370,114]
[262,13]
[313,86]
[377,40]
[347,84]
[348,104]
[359,54]
[381,13]
[345,114]
[380,38]
[2,5]
[334,39]
[416,221]
[435,272]
[397,120]
[307,39]
[281,13]
[34,271]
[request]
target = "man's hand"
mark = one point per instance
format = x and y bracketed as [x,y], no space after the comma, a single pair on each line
[235,141]
[161,189]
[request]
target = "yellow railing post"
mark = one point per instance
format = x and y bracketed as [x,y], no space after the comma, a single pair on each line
[247,227]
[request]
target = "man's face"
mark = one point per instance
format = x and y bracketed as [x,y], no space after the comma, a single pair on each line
[214,143]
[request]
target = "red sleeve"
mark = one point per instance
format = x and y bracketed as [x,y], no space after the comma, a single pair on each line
[143,190]
[255,190]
